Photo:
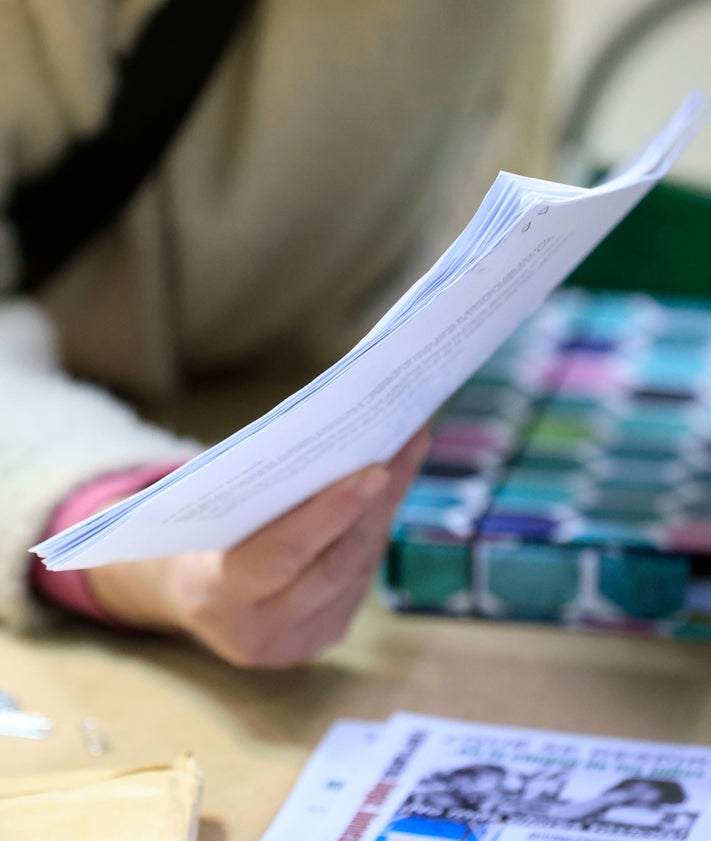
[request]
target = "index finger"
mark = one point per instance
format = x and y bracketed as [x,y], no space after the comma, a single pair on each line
[274,556]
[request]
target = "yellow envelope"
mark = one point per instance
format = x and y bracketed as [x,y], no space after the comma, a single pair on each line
[155,803]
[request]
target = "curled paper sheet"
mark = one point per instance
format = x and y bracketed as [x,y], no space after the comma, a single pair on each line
[525,239]
[151,803]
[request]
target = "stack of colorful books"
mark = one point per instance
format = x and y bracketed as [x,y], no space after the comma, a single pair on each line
[570,479]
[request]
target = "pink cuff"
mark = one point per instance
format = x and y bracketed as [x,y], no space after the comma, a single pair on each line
[71,588]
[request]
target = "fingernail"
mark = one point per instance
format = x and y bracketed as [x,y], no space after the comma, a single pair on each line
[372,481]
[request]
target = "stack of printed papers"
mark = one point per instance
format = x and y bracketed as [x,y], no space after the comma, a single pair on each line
[419,777]
[526,237]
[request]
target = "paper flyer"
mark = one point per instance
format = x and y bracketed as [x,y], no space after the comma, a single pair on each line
[473,782]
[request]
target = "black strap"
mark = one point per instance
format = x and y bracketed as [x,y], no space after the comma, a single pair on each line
[58,211]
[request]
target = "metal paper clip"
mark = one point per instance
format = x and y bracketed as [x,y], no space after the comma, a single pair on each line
[94,737]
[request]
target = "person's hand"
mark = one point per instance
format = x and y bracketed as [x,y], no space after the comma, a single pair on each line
[284,593]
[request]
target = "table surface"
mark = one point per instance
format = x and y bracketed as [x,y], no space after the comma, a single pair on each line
[253,731]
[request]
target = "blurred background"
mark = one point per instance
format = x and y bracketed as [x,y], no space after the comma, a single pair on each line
[618,66]
[618,69]
[593,509]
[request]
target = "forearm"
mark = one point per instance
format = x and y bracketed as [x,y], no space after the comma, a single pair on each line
[585,809]
[55,435]
[87,591]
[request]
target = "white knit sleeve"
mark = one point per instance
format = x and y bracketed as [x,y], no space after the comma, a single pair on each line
[55,434]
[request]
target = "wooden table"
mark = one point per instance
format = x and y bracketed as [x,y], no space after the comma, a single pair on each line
[253,731]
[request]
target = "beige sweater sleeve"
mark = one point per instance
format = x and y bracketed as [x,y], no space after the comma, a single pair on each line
[55,433]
